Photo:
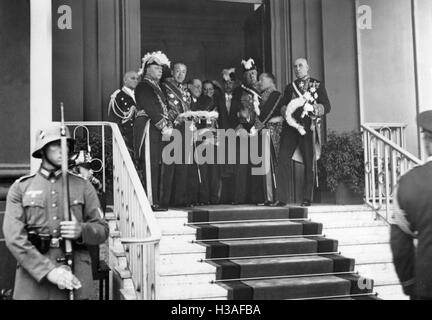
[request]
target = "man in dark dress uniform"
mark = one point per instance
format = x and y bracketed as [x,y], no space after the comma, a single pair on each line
[305,135]
[152,125]
[34,226]
[270,108]
[179,100]
[244,105]
[122,108]
[412,222]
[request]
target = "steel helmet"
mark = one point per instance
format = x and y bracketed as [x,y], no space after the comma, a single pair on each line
[47,135]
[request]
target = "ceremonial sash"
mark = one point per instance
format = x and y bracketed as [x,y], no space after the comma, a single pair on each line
[173,89]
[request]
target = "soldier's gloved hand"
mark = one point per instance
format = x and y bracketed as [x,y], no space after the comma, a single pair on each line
[253,131]
[242,133]
[301,130]
[167,131]
[319,110]
[70,229]
[63,278]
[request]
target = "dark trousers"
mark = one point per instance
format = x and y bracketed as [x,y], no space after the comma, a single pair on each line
[156,145]
[175,182]
[248,187]
[204,182]
[127,132]
[289,140]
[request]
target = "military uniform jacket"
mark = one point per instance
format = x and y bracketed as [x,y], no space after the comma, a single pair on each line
[35,203]
[312,85]
[414,220]
[152,101]
[121,108]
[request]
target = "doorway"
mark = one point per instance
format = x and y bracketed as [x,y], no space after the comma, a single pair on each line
[207,35]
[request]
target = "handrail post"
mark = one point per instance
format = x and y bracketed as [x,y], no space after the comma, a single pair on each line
[387,152]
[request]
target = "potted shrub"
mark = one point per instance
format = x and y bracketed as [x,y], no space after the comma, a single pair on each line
[341,167]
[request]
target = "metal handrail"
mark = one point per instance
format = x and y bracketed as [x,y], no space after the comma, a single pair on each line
[138,225]
[385,162]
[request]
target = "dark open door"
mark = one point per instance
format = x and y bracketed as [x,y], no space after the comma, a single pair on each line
[257,31]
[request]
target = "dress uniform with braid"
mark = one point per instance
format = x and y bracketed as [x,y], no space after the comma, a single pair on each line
[121,111]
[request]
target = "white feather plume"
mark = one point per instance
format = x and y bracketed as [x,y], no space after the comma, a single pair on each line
[248,64]
[157,56]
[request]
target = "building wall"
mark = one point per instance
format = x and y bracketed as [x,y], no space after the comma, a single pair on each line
[423,33]
[208,36]
[388,69]
[90,59]
[14,82]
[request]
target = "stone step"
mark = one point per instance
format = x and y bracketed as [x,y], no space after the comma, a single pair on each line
[362,235]
[290,288]
[346,219]
[282,266]
[257,229]
[258,247]
[322,208]
[171,214]
[383,273]
[244,212]
[180,244]
[370,253]
[183,264]
[391,292]
[192,291]
[167,282]
[174,226]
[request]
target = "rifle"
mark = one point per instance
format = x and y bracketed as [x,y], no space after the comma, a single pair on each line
[67,216]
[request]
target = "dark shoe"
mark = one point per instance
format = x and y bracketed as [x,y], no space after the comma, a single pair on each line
[306,203]
[278,204]
[158,208]
[265,204]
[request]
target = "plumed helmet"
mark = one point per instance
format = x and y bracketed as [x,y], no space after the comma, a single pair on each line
[248,65]
[47,135]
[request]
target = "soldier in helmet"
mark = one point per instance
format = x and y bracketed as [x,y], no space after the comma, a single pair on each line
[412,221]
[34,229]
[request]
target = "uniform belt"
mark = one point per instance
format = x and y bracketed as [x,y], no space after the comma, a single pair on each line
[55,242]
[58,243]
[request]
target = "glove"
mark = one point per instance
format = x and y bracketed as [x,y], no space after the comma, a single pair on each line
[253,131]
[167,131]
[301,130]
[242,133]
[319,110]
[63,278]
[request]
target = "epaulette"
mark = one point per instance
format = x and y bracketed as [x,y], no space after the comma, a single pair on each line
[24,178]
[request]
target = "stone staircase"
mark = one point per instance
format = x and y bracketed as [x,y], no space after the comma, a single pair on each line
[213,252]
[366,239]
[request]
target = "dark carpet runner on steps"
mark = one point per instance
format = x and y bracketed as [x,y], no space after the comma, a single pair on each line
[273,253]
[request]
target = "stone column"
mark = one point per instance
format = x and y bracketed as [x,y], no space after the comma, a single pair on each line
[40,69]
